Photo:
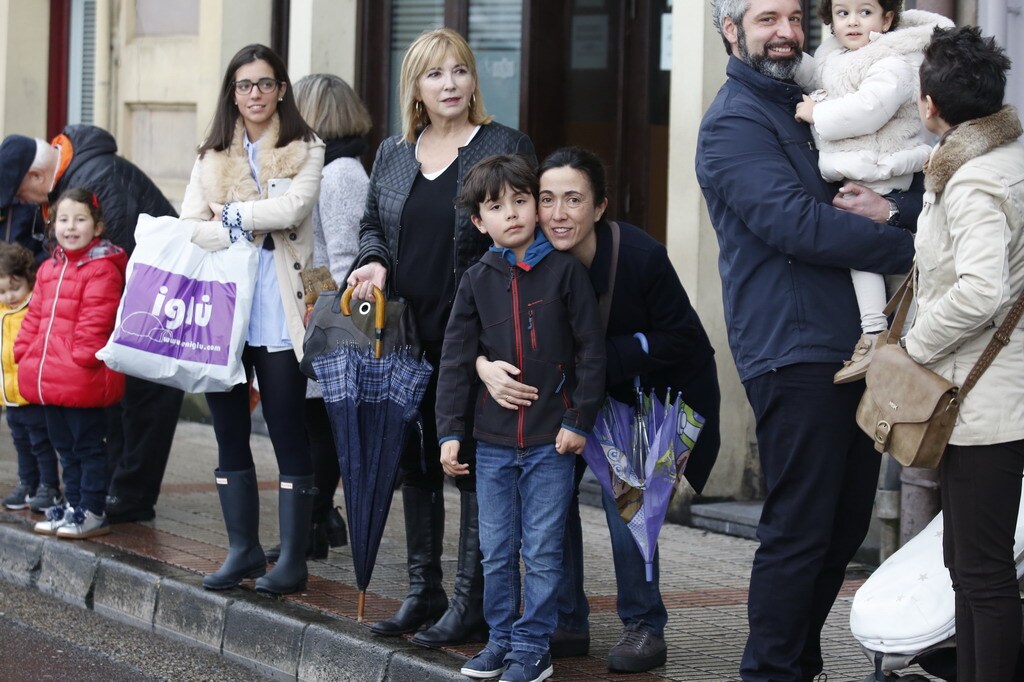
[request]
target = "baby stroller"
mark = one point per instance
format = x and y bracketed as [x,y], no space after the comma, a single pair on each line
[904,614]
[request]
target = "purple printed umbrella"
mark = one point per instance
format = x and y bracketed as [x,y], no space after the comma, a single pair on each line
[638,455]
[371,402]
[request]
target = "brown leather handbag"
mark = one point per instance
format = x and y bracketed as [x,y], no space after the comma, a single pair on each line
[907,409]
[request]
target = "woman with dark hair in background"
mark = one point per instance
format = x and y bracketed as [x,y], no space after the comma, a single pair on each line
[651,332]
[257,178]
[414,240]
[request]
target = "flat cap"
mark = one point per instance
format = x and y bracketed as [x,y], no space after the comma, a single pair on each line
[16,155]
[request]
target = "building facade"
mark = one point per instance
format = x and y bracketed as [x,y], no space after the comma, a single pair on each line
[629,79]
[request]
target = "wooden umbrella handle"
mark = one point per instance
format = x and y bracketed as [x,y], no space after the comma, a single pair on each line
[379,316]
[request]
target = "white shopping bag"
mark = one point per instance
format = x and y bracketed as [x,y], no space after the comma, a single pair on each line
[184,315]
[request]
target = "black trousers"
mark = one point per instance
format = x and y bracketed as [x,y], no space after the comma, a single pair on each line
[421,458]
[326,471]
[980,487]
[140,431]
[283,396]
[821,473]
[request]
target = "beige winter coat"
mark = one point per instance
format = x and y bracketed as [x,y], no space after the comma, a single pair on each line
[224,177]
[867,128]
[970,258]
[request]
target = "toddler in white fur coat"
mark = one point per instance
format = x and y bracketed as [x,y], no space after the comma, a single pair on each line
[863,114]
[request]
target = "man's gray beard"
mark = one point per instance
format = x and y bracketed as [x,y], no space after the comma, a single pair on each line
[779,69]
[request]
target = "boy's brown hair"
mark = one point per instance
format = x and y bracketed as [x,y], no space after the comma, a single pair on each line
[488,179]
[17,262]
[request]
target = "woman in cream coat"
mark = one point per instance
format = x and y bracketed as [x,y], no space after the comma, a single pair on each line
[258,178]
[970,258]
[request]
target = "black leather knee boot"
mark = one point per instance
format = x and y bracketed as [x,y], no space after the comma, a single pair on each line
[424,532]
[464,619]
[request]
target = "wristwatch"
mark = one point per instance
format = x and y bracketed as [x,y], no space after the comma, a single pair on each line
[894,212]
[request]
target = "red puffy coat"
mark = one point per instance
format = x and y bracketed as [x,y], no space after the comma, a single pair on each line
[71,316]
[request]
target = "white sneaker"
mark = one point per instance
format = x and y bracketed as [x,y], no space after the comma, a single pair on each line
[84,525]
[56,517]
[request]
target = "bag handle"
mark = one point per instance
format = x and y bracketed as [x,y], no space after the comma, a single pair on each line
[379,316]
[899,306]
[1000,339]
[606,298]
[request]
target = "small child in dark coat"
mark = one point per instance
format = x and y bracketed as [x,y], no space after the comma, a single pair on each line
[532,306]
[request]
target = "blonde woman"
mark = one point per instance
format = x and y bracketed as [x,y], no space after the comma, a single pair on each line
[414,241]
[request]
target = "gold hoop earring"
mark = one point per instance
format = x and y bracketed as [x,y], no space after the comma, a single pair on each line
[472,100]
[418,107]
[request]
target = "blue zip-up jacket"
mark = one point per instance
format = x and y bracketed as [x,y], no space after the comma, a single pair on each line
[539,314]
[785,251]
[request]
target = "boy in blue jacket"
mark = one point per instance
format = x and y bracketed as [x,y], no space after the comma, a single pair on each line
[532,306]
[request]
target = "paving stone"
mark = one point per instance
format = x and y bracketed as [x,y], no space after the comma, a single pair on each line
[339,652]
[125,593]
[67,571]
[263,638]
[20,554]
[186,611]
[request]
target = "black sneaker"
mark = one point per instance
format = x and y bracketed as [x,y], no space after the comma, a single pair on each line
[121,510]
[638,650]
[19,497]
[46,496]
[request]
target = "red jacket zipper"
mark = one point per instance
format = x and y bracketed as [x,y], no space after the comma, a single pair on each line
[519,351]
[533,330]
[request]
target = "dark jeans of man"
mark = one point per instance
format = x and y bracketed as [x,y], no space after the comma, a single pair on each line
[77,433]
[980,487]
[37,460]
[821,473]
[140,431]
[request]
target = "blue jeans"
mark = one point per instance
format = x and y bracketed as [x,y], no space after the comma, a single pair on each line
[638,601]
[78,435]
[525,495]
[37,461]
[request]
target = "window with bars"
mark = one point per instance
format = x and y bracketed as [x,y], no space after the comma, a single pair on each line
[82,61]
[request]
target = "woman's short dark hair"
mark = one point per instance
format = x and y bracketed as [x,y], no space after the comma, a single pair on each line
[582,160]
[17,262]
[964,74]
[894,6]
[222,129]
[487,179]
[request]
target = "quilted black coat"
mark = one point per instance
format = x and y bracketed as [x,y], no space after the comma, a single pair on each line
[395,169]
[123,190]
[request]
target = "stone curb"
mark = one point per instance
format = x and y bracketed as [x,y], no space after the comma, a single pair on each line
[276,638]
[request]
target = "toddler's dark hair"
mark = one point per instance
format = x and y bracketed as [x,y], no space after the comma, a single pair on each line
[964,74]
[488,179]
[894,6]
[17,262]
[82,196]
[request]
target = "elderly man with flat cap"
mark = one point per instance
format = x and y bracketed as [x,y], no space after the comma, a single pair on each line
[36,172]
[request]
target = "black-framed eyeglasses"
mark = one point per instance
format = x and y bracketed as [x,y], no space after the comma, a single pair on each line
[266,85]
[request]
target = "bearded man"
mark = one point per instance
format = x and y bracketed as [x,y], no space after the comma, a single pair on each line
[785,255]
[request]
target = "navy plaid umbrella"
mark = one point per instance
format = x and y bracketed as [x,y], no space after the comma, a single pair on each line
[371,402]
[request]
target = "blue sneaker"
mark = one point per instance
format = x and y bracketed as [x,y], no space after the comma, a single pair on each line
[528,667]
[487,664]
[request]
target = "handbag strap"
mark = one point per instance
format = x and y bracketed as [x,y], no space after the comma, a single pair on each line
[899,306]
[1000,339]
[606,297]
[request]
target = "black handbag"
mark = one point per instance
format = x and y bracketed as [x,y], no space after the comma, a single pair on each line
[329,327]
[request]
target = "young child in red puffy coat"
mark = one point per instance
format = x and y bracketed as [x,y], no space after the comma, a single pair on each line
[70,317]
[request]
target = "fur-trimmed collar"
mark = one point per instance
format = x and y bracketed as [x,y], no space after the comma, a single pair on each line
[226,176]
[967,141]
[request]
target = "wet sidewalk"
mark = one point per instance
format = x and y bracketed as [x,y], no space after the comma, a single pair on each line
[704,580]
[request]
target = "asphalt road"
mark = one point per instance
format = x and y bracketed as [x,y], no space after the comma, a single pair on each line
[42,638]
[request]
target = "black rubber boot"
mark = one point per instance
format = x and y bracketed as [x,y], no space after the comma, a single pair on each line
[464,619]
[295,511]
[240,504]
[424,531]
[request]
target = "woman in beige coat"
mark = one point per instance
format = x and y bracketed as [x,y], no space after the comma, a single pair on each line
[970,258]
[258,178]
